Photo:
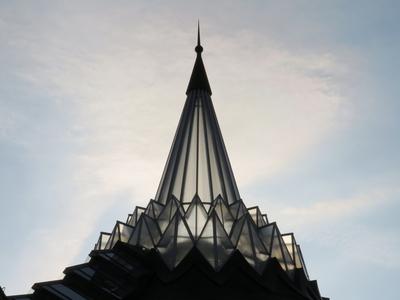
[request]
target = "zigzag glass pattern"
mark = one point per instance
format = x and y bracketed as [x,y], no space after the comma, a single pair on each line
[198,204]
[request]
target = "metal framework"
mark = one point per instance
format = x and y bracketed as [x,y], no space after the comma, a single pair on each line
[198,203]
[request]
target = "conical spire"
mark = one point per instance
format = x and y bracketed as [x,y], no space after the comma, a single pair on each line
[198,205]
[198,80]
[198,164]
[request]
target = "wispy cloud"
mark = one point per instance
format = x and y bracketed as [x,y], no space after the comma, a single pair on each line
[336,210]
[335,224]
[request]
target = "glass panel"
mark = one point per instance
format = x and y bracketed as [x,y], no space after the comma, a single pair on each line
[175,154]
[253,213]
[146,233]
[207,206]
[226,174]
[214,243]
[223,213]
[136,215]
[158,207]
[294,251]
[266,234]
[276,250]
[190,175]
[203,180]
[180,163]
[104,237]
[176,242]
[245,237]
[260,219]
[129,219]
[125,232]
[185,206]
[154,209]
[238,209]
[265,218]
[224,247]
[113,238]
[145,238]
[245,246]
[135,237]
[196,217]
[168,212]
[297,258]
[153,229]
[286,254]
[216,180]
[184,240]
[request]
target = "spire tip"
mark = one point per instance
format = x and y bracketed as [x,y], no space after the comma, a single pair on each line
[198,48]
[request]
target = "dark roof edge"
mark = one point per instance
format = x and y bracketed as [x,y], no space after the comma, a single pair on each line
[198,79]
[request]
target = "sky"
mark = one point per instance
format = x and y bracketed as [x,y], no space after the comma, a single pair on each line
[306,92]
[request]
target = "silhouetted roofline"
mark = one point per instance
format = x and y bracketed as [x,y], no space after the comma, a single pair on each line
[198,79]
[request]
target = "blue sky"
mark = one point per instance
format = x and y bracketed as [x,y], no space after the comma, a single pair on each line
[307,97]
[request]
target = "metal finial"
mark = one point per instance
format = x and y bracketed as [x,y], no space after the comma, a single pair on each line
[198,32]
[198,48]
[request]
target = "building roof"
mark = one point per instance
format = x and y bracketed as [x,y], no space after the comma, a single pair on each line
[198,205]
[197,225]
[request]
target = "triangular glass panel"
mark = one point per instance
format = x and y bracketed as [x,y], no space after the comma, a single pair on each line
[136,215]
[290,243]
[265,218]
[176,241]
[216,180]
[196,217]
[246,240]
[276,248]
[296,259]
[214,242]
[223,212]
[238,209]
[266,235]
[207,206]
[172,178]
[218,155]
[256,215]
[185,206]
[125,231]
[114,237]
[129,219]
[154,209]
[190,180]
[153,228]
[288,258]
[287,238]
[204,181]
[166,215]
[146,233]
[102,241]
[134,238]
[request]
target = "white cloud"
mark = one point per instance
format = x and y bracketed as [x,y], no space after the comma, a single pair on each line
[334,224]
[335,210]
